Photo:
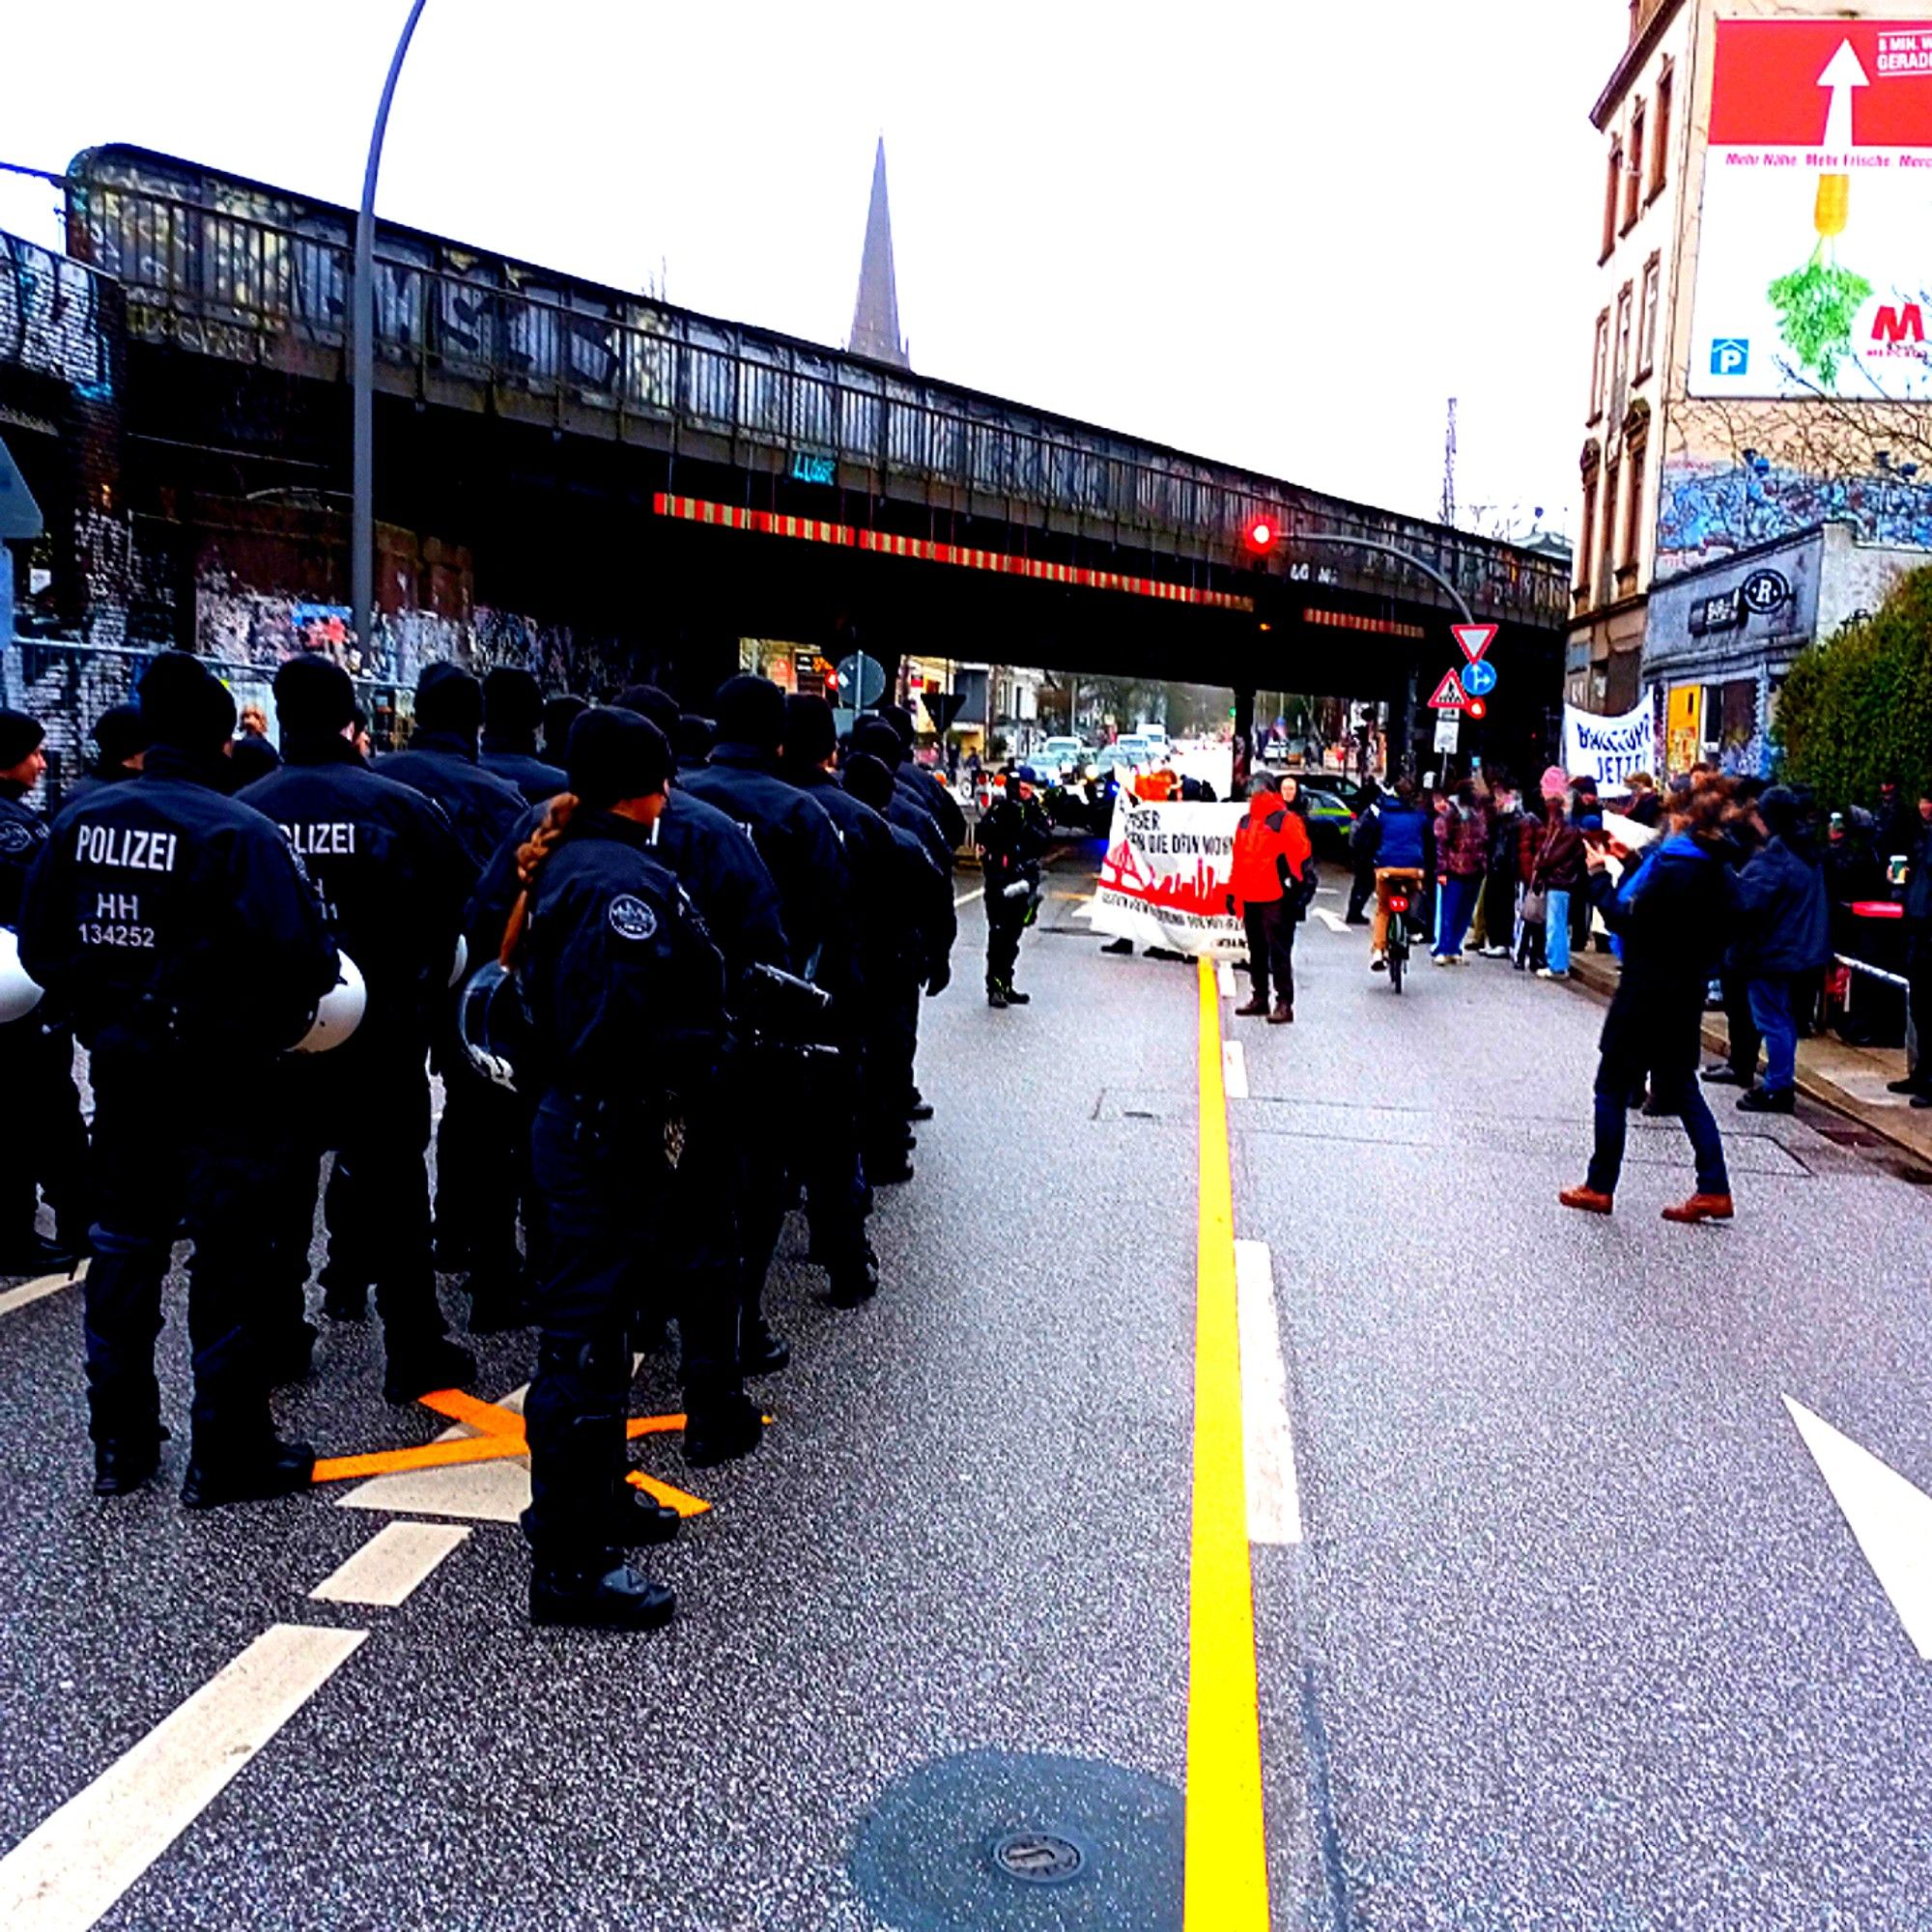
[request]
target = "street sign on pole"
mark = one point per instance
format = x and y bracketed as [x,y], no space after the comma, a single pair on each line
[943,707]
[1449,693]
[1474,639]
[862,681]
[1448,731]
[1480,678]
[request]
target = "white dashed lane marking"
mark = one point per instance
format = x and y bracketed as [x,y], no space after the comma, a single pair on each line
[64,1875]
[1235,1070]
[1274,1502]
[390,1565]
[38,1290]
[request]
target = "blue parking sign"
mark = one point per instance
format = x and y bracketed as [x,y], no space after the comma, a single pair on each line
[1730,355]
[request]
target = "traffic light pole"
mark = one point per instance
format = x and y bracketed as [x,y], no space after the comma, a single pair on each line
[1408,557]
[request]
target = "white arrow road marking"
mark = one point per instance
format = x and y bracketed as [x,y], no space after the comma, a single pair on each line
[1274,1503]
[390,1565]
[67,1873]
[1890,1516]
[1333,921]
[1234,1070]
[496,1491]
[39,1289]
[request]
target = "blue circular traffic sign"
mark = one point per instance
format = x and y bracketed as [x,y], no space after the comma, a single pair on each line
[1479,679]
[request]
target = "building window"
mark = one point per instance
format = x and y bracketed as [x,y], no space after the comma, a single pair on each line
[1659,133]
[1646,328]
[1620,355]
[1600,367]
[1610,181]
[1634,517]
[1633,175]
[1586,547]
[1605,574]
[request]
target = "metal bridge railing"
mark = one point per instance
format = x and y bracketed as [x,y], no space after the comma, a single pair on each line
[235,282]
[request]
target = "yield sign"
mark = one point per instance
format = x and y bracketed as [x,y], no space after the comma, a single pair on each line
[1450,695]
[1474,639]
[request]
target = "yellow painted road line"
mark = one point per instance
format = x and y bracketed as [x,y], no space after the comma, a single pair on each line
[39,1289]
[66,1874]
[1227,1886]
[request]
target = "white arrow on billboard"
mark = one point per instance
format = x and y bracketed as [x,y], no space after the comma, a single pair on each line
[1891,1518]
[1843,72]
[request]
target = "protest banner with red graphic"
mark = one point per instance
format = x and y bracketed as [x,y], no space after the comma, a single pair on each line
[1164,881]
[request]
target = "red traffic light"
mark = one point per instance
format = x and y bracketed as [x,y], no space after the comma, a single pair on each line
[1476,708]
[831,680]
[1260,535]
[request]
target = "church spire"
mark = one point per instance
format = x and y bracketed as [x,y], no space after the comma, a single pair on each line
[875,318]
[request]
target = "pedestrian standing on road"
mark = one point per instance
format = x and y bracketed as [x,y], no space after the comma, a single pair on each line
[1559,872]
[1401,844]
[36,1047]
[1362,840]
[1743,1043]
[1917,921]
[1014,836]
[1463,854]
[179,931]
[1500,876]
[626,998]
[1784,938]
[1270,884]
[1674,914]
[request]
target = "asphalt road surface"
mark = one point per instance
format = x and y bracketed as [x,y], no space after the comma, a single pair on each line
[1487,1532]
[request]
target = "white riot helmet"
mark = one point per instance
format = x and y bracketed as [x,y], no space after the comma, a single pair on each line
[492,1024]
[18,994]
[339,1011]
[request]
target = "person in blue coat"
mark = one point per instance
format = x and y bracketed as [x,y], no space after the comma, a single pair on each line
[1786,938]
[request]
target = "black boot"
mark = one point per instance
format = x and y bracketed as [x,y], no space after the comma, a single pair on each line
[598,1595]
[32,1253]
[996,997]
[419,1368]
[635,1520]
[722,1431]
[274,1469]
[123,1462]
[1014,996]
[854,1283]
[761,1352]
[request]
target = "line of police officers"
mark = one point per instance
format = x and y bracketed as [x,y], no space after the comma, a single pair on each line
[683,997]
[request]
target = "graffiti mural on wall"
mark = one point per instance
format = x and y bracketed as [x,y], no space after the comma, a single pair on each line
[1710,510]
[51,318]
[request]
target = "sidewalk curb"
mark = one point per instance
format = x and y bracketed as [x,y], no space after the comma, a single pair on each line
[1597,976]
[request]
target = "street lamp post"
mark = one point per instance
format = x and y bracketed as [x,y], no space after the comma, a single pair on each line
[362,358]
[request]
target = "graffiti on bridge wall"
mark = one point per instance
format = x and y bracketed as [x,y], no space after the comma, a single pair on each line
[51,318]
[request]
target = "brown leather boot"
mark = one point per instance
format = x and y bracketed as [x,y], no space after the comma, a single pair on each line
[1252,1007]
[1283,1013]
[1701,1208]
[1587,1199]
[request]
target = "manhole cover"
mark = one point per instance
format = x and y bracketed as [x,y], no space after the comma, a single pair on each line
[1012,1841]
[1040,1858]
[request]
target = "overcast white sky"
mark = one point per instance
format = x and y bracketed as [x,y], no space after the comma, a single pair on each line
[1279,234]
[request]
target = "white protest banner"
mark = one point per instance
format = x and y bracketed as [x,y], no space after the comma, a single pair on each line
[1609,749]
[1164,881]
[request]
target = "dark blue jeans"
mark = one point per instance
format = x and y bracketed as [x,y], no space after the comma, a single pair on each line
[1459,905]
[1771,1011]
[1617,1075]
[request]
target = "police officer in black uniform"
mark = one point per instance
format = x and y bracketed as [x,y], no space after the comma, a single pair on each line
[1014,836]
[179,931]
[719,871]
[920,949]
[802,849]
[513,710]
[120,738]
[392,881]
[36,1050]
[925,785]
[480,1153]
[625,993]
[912,808]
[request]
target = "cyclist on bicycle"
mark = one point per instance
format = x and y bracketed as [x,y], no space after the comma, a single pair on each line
[1399,837]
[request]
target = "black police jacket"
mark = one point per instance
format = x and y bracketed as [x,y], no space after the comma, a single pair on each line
[22,834]
[480,807]
[929,791]
[625,989]
[931,921]
[159,904]
[880,917]
[391,875]
[796,839]
[715,863]
[1012,836]
[910,815]
[521,767]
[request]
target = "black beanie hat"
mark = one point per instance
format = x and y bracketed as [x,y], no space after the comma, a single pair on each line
[810,731]
[876,735]
[314,697]
[512,699]
[616,754]
[559,714]
[868,780]
[751,711]
[119,732]
[448,698]
[900,719]
[176,705]
[19,734]
[650,701]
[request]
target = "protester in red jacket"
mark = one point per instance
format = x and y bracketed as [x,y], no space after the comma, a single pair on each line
[1272,881]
